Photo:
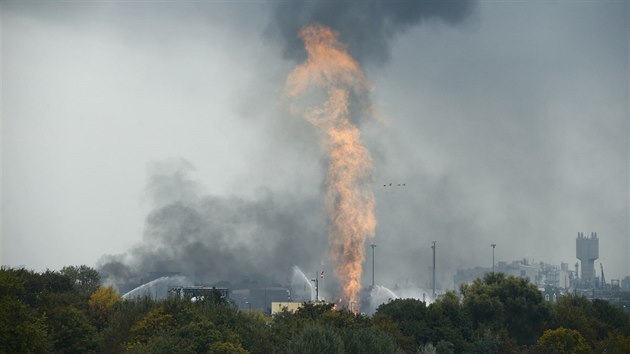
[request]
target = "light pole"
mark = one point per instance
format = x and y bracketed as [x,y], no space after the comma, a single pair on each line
[373,247]
[316,281]
[433,247]
[493,246]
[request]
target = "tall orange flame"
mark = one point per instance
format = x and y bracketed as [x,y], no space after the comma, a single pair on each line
[350,200]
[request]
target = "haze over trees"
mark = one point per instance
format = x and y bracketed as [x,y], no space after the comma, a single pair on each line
[68,311]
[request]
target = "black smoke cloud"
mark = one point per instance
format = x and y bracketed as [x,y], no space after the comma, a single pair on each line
[211,238]
[368,26]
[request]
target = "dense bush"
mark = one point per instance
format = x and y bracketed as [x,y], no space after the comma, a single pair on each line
[68,312]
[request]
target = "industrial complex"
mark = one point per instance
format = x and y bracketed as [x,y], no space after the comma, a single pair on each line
[558,280]
[554,280]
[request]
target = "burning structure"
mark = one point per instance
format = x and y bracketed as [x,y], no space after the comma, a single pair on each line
[330,71]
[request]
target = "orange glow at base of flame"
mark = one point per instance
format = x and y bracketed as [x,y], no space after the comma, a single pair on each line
[350,200]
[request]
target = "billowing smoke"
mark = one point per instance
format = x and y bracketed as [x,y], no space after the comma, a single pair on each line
[211,238]
[368,26]
[350,200]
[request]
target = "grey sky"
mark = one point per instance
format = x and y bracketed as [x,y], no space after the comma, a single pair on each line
[368,25]
[508,127]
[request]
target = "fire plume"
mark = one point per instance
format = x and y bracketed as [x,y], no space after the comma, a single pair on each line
[350,200]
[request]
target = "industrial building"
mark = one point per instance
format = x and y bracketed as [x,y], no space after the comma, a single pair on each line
[541,274]
[260,298]
[549,275]
[198,292]
[587,251]
[277,307]
[555,281]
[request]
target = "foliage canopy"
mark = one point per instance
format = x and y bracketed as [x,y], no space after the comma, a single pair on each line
[69,312]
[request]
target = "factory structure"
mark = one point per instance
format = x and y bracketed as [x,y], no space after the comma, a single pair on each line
[246,296]
[198,292]
[583,278]
[587,251]
[541,274]
[549,275]
[557,280]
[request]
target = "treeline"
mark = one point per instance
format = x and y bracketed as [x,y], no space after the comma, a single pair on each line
[69,312]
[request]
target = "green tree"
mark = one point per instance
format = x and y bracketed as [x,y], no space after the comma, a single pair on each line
[287,325]
[573,312]
[184,326]
[406,320]
[125,314]
[21,330]
[449,323]
[316,339]
[226,348]
[614,344]
[162,344]
[71,331]
[512,303]
[254,332]
[11,283]
[445,347]
[426,349]
[102,303]
[312,310]
[157,322]
[46,290]
[85,280]
[596,320]
[562,340]
[486,343]
[392,328]
[369,340]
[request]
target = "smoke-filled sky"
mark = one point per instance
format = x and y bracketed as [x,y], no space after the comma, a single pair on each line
[154,136]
